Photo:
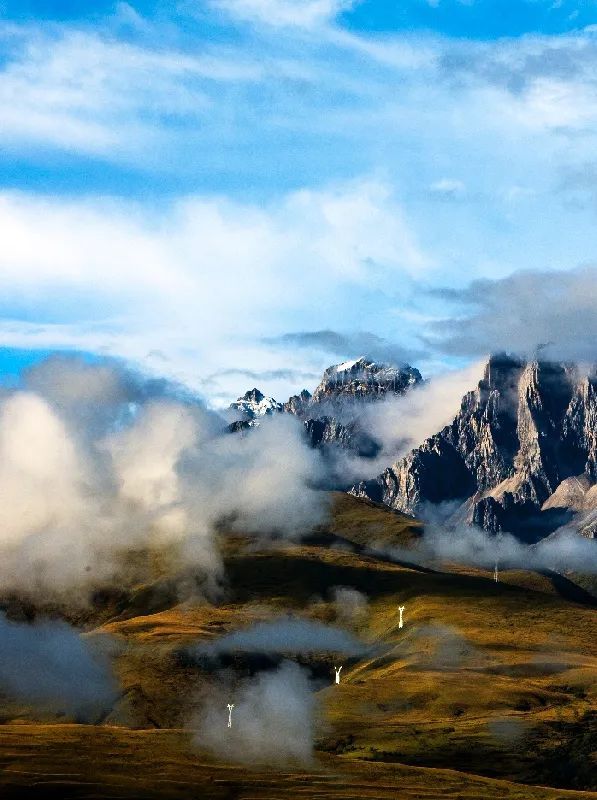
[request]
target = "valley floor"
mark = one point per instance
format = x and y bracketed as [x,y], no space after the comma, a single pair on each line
[77,761]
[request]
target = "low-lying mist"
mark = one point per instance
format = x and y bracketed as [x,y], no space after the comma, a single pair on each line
[350,604]
[273,719]
[50,666]
[563,551]
[284,635]
[99,462]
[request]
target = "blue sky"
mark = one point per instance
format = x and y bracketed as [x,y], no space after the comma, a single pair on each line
[487,19]
[482,19]
[183,184]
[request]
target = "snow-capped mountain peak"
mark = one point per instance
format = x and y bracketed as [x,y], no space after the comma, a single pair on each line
[255,404]
[362,378]
[348,364]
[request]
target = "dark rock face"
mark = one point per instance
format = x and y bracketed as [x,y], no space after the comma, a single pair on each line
[580,427]
[328,431]
[363,379]
[331,414]
[524,430]
[240,425]
[298,403]
[255,404]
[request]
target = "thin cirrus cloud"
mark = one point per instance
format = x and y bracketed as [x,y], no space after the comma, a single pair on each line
[282,13]
[119,98]
[80,91]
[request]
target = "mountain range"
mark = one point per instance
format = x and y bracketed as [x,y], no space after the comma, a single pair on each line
[520,455]
[332,414]
[148,680]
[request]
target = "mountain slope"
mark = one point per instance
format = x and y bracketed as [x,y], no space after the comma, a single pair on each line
[254,404]
[363,379]
[331,415]
[487,692]
[524,430]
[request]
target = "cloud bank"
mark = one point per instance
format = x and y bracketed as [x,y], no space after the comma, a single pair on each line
[105,272]
[554,313]
[348,345]
[99,464]
[133,281]
[563,551]
[51,666]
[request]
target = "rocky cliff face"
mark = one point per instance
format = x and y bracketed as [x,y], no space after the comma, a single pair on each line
[519,436]
[298,403]
[331,414]
[364,380]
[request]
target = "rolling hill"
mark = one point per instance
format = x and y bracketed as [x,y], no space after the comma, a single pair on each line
[489,690]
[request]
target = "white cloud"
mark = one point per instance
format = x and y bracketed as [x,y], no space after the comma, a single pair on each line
[436,3]
[92,94]
[282,13]
[152,104]
[200,280]
[400,423]
[297,102]
[38,460]
[274,719]
[98,462]
[449,187]
[548,103]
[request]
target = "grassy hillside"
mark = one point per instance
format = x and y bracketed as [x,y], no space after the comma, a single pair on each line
[489,690]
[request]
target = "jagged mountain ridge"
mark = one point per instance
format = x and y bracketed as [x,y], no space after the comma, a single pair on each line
[255,404]
[362,379]
[330,415]
[524,431]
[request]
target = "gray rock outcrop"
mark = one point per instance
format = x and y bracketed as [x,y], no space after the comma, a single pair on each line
[519,436]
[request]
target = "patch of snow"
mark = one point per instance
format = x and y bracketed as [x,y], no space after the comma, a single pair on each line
[348,365]
[251,407]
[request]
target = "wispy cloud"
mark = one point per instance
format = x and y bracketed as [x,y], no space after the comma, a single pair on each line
[81,91]
[201,280]
[347,345]
[282,13]
[448,187]
[257,118]
[119,97]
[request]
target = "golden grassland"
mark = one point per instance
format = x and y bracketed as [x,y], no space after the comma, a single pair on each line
[75,761]
[489,691]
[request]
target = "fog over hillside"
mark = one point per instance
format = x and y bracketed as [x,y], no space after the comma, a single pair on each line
[99,462]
